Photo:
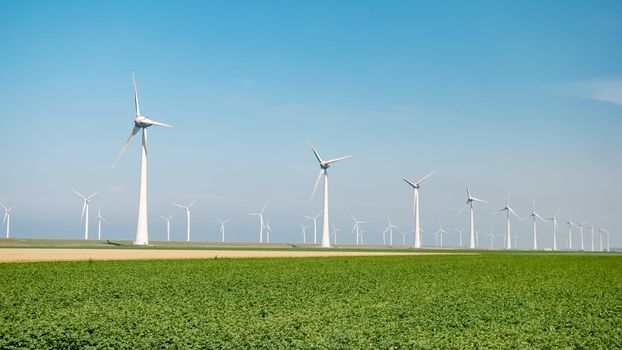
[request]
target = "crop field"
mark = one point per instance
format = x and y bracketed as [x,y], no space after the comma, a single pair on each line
[491,300]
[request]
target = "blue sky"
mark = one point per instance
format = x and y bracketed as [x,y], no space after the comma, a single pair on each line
[520,96]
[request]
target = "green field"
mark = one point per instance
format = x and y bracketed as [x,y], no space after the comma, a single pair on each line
[493,300]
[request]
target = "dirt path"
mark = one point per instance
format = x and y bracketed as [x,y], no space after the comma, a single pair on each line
[43,254]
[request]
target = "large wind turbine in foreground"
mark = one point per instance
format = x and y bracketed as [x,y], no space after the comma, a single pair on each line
[469,203]
[187,208]
[508,210]
[415,186]
[85,209]
[324,165]
[141,123]
[7,219]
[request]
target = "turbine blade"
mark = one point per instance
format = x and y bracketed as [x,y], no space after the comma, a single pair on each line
[479,200]
[2,204]
[319,175]
[93,195]
[426,177]
[153,122]
[76,192]
[179,205]
[83,210]
[127,142]
[460,211]
[5,215]
[409,182]
[193,201]
[468,192]
[136,105]
[337,159]
[317,155]
[513,212]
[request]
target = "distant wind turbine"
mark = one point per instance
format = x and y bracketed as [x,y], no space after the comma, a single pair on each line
[403,233]
[607,233]
[141,123]
[261,222]
[357,228]
[570,224]
[535,216]
[314,218]
[168,226]
[440,233]
[100,218]
[85,209]
[555,228]
[268,231]
[508,210]
[324,165]
[459,230]
[581,224]
[222,228]
[7,219]
[469,203]
[187,208]
[492,237]
[304,232]
[389,229]
[591,227]
[335,230]
[416,186]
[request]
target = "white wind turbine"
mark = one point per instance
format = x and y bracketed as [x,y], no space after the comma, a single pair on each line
[268,231]
[141,123]
[168,226]
[304,232]
[469,203]
[85,209]
[535,216]
[570,224]
[222,228]
[607,233]
[403,233]
[7,219]
[357,228]
[459,230]
[440,233]
[591,227]
[389,229]
[324,165]
[314,218]
[555,228]
[335,230]
[187,208]
[415,186]
[581,225]
[100,218]
[515,237]
[492,237]
[261,222]
[508,210]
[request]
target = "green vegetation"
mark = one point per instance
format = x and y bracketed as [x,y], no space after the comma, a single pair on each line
[483,301]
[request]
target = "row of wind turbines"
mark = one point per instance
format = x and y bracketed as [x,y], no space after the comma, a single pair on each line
[141,123]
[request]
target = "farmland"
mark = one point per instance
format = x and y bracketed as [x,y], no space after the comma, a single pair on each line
[491,300]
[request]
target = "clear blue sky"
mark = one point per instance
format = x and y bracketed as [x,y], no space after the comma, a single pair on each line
[525,96]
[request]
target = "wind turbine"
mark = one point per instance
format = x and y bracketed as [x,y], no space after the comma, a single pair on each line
[324,165]
[187,208]
[607,233]
[100,218]
[403,233]
[335,230]
[515,237]
[440,233]
[570,224]
[141,123]
[581,224]
[389,229]
[268,230]
[357,228]
[222,228]
[314,218]
[591,227]
[415,186]
[7,219]
[85,209]
[261,223]
[168,226]
[304,233]
[492,237]
[459,230]
[535,216]
[469,203]
[555,228]
[508,210]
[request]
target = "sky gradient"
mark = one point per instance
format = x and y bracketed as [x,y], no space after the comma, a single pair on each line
[501,96]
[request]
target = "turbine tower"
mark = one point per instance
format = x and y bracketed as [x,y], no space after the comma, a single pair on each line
[222,228]
[187,208]
[389,229]
[268,230]
[415,186]
[535,216]
[304,232]
[100,218]
[581,225]
[570,224]
[469,203]
[555,228]
[261,223]
[324,165]
[168,226]
[7,219]
[508,210]
[141,123]
[85,209]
